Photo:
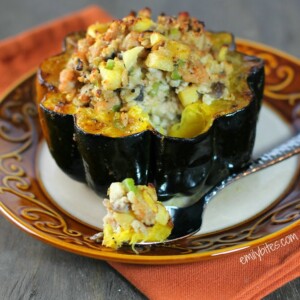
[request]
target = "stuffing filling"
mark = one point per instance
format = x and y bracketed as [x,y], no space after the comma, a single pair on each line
[135,74]
[134,215]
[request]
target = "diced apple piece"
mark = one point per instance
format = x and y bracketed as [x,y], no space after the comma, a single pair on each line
[178,50]
[112,78]
[142,24]
[162,216]
[158,61]
[188,95]
[156,37]
[149,200]
[130,56]
[124,219]
[208,99]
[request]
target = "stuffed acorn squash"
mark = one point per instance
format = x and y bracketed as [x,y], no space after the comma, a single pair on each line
[164,102]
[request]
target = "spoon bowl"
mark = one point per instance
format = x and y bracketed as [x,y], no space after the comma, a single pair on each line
[186,221]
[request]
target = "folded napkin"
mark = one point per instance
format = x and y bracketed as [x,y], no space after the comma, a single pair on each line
[223,277]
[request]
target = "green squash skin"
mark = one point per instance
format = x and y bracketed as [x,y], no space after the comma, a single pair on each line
[58,130]
[174,165]
[108,160]
[181,166]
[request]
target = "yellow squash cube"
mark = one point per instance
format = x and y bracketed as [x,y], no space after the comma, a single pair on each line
[178,50]
[188,95]
[97,28]
[142,24]
[159,61]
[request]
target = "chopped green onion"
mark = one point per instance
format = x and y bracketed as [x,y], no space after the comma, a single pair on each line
[116,107]
[180,63]
[110,64]
[155,88]
[174,33]
[129,185]
[175,74]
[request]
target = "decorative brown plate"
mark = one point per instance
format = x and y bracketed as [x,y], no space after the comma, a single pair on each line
[253,212]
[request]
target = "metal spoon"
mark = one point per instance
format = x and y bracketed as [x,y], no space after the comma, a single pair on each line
[187,220]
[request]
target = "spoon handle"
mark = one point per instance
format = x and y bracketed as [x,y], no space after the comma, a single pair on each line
[278,154]
[274,156]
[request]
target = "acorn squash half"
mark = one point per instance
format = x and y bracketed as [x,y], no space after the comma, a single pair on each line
[209,141]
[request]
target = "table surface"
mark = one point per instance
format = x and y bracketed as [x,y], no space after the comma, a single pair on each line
[43,275]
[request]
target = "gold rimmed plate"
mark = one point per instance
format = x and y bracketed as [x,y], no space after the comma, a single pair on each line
[37,197]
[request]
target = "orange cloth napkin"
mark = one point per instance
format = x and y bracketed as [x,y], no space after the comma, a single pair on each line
[224,277]
[228,277]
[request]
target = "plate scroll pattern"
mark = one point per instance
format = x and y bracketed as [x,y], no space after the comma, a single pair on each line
[24,202]
[281,75]
[19,129]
